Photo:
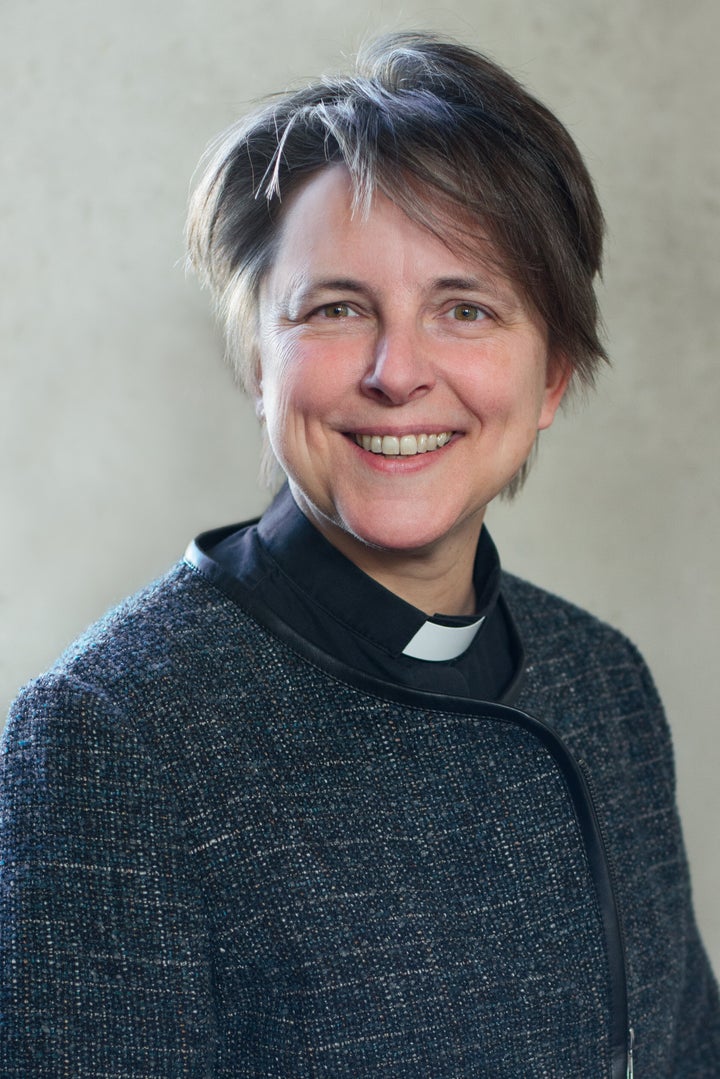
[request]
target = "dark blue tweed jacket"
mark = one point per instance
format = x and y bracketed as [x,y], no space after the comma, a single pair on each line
[223,854]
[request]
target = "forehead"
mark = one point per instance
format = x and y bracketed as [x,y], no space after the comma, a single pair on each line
[322,225]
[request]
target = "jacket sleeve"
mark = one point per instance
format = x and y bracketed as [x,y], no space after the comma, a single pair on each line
[697,1039]
[696,1042]
[103,949]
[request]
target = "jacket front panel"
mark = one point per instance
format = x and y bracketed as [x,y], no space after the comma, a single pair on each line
[591,685]
[402,891]
[293,874]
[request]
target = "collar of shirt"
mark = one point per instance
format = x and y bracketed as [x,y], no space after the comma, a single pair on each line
[348,595]
[295,575]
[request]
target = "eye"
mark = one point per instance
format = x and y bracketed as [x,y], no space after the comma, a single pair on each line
[467,312]
[337,310]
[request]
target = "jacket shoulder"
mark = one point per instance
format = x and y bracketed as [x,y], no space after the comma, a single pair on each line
[575,659]
[147,638]
[547,619]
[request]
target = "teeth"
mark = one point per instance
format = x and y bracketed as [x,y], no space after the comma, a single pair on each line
[407,446]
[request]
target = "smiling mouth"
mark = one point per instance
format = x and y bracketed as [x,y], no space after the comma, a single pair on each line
[403,446]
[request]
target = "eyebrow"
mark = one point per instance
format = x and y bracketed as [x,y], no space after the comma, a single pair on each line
[303,288]
[331,284]
[472,284]
[352,283]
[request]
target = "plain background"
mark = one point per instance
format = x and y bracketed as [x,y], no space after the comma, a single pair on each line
[122,434]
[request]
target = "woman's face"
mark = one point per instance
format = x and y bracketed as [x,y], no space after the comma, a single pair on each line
[402,385]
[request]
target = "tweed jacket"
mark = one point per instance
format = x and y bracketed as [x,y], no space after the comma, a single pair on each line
[225,854]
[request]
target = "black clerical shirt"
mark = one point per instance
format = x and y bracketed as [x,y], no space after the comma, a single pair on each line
[328,600]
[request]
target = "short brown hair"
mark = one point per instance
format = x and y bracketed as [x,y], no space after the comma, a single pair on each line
[449,137]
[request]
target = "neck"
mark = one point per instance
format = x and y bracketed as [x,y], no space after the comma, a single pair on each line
[428,587]
[436,580]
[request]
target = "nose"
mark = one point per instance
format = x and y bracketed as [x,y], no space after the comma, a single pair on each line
[401,368]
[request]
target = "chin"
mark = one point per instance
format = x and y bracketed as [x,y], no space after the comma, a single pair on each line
[393,533]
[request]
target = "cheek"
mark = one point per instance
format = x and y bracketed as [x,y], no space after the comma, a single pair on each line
[303,379]
[509,419]
[297,400]
[504,397]
[518,393]
[275,361]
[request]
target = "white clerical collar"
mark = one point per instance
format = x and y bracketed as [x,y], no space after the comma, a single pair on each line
[439,643]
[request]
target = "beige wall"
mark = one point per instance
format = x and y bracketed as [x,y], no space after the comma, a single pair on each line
[121,433]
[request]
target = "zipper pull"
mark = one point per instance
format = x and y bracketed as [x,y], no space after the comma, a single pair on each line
[630,1052]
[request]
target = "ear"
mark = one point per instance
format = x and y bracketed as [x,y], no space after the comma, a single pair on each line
[253,379]
[258,402]
[559,373]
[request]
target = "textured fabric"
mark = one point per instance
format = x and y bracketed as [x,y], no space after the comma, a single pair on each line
[221,857]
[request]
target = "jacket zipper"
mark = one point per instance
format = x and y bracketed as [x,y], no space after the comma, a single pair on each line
[580,790]
[622,1065]
[579,785]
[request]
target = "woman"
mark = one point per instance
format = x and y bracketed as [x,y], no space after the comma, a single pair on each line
[335,796]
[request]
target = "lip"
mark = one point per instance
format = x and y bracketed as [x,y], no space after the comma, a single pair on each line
[398,432]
